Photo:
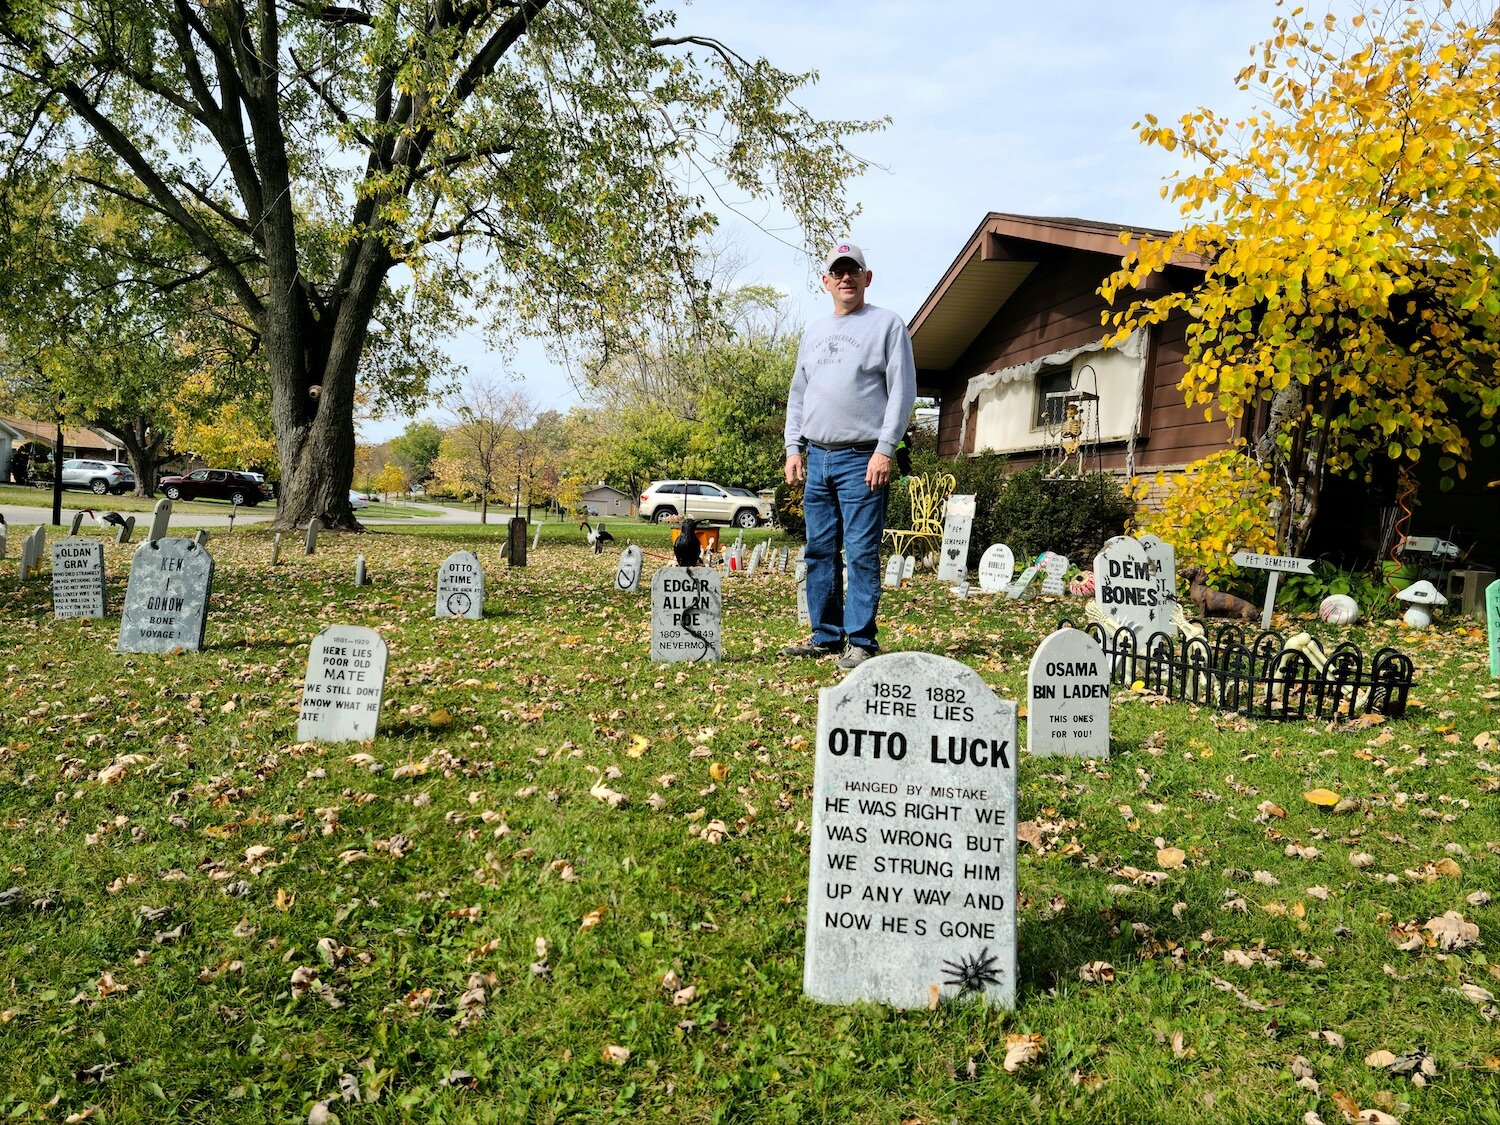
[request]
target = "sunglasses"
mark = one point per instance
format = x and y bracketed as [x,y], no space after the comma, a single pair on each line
[845,271]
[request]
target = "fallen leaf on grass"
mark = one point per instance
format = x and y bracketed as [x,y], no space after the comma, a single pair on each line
[1451,930]
[718,771]
[1171,858]
[1323,798]
[593,918]
[1096,972]
[638,746]
[617,1055]
[1022,1050]
[611,797]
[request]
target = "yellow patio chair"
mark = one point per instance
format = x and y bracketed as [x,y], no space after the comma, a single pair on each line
[929,496]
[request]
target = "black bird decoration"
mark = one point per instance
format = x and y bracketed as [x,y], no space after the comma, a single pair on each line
[113,518]
[687,550]
[597,536]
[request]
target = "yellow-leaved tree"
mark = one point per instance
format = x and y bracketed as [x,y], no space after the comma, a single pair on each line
[1351,290]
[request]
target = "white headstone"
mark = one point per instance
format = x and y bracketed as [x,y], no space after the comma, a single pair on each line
[201,538]
[628,571]
[1125,587]
[997,566]
[537,538]
[756,554]
[78,578]
[276,549]
[342,690]
[1163,559]
[310,544]
[687,613]
[161,516]
[958,523]
[1055,567]
[893,568]
[166,600]
[911,894]
[909,571]
[1022,580]
[460,586]
[1067,697]
[804,617]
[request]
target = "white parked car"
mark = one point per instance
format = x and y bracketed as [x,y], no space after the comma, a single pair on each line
[99,477]
[703,500]
[358,499]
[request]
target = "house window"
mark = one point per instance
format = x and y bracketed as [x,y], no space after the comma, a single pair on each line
[1051,381]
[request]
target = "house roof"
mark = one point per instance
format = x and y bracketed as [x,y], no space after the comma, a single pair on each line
[76,437]
[997,258]
[601,487]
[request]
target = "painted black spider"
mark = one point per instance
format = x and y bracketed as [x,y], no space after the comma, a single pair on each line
[973,974]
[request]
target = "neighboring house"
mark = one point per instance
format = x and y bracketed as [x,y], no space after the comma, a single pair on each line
[77,442]
[607,501]
[1017,318]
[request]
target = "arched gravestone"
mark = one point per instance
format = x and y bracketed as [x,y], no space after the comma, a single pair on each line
[78,578]
[1125,587]
[161,516]
[893,568]
[628,570]
[1055,567]
[166,600]
[1163,559]
[912,887]
[343,687]
[687,612]
[460,586]
[1067,697]
[996,568]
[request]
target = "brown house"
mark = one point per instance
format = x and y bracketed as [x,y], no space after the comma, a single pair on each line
[1011,339]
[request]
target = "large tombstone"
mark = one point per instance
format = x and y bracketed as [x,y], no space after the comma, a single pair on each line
[1125,587]
[166,601]
[958,524]
[1163,559]
[161,516]
[78,578]
[687,614]
[628,570]
[911,894]
[996,568]
[1067,697]
[342,690]
[1055,567]
[460,586]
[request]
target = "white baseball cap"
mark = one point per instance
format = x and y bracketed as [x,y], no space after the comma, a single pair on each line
[845,250]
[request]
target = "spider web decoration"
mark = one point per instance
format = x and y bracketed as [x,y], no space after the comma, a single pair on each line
[973,974]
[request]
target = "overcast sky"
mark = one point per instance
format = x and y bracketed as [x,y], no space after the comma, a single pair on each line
[1000,106]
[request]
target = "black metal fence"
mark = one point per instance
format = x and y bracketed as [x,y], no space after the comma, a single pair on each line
[1264,678]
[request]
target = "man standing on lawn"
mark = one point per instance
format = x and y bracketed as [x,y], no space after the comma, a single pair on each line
[848,407]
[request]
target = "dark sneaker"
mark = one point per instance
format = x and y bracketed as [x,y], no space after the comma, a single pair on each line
[808,648]
[854,657]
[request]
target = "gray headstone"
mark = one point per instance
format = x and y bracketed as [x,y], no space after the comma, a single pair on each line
[997,566]
[505,549]
[124,531]
[361,574]
[342,690]
[755,557]
[201,538]
[1022,581]
[628,570]
[276,549]
[958,523]
[1067,697]
[3,544]
[76,524]
[78,578]
[1125,587]
[911,893]
[460,586]
[310,544]
[893,569]
[1163,559]
[161,516]
[166,601]
[1055,567]
[804,617]
[687,614]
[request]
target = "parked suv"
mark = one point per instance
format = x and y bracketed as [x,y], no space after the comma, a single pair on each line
[702,500]
[98,477]
[213,484]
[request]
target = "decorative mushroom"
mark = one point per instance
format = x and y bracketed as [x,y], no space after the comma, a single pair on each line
[1420,596]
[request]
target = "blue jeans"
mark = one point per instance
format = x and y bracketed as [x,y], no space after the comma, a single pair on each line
[843,514]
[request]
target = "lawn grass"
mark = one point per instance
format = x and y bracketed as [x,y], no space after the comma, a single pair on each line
[213,922]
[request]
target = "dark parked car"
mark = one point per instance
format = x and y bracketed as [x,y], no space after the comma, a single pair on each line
[214,484]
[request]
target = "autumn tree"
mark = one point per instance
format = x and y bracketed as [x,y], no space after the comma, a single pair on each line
[416,448]
[1351,291]
[307,149]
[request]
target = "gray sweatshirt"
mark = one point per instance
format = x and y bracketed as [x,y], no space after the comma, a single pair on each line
[855,382]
